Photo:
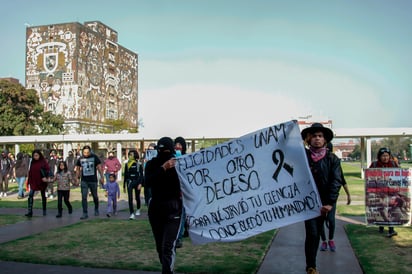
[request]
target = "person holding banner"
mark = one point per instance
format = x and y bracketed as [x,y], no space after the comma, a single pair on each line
[150,153]
[165,206]
[384,160]
[327,173]
[180,149]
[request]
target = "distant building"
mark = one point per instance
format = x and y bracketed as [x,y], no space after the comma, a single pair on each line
[308,120]
[10,79]
[344,149]
[82,73]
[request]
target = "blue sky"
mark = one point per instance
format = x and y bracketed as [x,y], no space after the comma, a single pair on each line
[226,68]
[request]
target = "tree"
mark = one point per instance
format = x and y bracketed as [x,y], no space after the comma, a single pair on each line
[22,114]
[356,153]
[50,124]
[399,146]
[119,125]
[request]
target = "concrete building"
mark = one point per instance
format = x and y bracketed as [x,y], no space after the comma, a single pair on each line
[81,72]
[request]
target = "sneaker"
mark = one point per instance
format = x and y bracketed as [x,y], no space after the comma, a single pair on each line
[84,217]
[108,215]
[131,216]
[96,212]
[381,229]
[5,194]
[312,270]
[1,194]
[51,197]
[137,212]
[323,246]
[392,233]
[332,246]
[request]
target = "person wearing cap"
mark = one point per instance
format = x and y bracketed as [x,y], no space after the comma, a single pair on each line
[384,160]
[327,174]
[165,206]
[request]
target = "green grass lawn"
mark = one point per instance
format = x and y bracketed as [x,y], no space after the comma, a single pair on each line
[131,246]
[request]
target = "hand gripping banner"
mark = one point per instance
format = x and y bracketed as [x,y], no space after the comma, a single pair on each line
[247,186]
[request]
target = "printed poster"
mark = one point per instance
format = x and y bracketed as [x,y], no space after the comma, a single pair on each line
[388,196]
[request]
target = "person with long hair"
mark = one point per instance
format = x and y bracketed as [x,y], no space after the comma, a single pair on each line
[38,180]
[133,179]
[384,160]
[63,178]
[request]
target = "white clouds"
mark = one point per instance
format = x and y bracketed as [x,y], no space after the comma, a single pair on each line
[232,97]
[212,111]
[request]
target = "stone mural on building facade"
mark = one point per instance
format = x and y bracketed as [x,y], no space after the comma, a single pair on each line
[82,73]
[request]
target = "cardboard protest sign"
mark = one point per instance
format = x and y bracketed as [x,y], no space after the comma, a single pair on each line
[388,196]
[248,185]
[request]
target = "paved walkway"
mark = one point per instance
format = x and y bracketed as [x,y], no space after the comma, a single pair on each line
[285,256]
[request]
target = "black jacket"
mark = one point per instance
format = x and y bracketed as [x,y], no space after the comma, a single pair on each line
[165,185]
[327,174]
[133,175]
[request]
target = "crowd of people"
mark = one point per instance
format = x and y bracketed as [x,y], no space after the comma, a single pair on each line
[154,171]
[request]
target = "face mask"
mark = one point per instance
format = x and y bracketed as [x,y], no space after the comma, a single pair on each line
[178,153]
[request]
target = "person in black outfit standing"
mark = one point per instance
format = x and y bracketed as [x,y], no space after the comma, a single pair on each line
[327,173]
[165,206]
[133,174]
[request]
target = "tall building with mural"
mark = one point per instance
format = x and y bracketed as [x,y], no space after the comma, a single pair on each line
[81,72]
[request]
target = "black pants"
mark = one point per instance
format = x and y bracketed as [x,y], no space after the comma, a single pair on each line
[330,222]
[132,188]
[63,195]
[43,197]
[313,227]
[85,186]
[165,220]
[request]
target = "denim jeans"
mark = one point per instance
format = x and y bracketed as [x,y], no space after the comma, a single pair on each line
[22,188]
[85,186]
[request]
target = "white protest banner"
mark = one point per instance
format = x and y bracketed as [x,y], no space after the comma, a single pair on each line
[248,185]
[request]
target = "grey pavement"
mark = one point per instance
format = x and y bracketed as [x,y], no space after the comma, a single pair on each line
[285,255]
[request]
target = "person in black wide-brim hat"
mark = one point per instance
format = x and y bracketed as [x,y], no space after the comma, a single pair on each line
[318,127]
[327,173]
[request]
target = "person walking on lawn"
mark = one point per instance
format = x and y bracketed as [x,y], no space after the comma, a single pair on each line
[63,178]
[38,180]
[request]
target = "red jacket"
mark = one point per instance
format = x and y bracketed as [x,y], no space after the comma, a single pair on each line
[38,170]
[379,164]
